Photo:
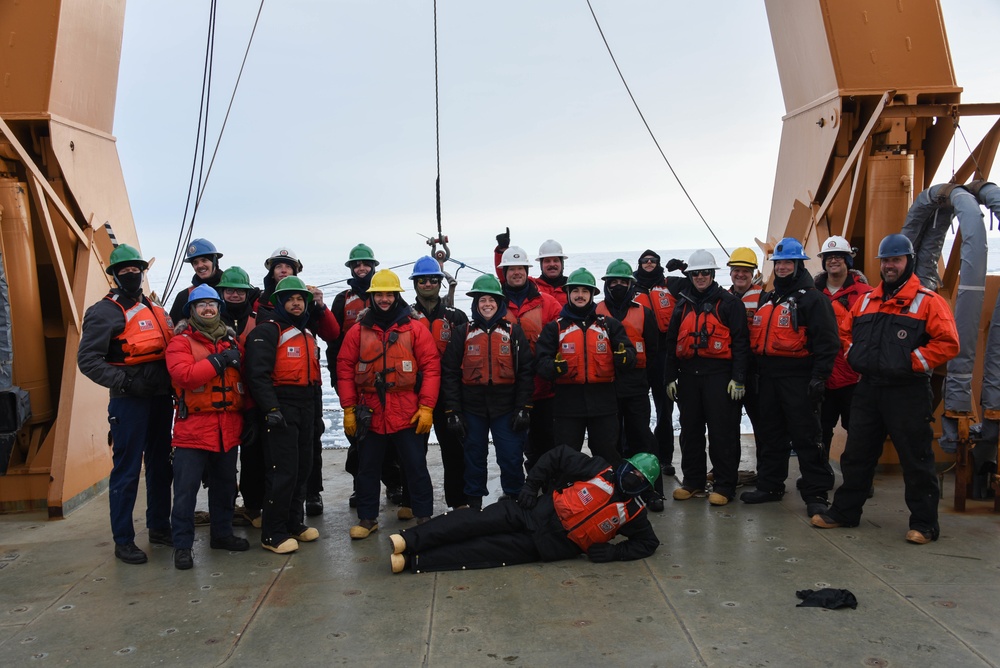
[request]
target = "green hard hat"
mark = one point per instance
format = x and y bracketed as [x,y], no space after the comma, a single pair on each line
[361,252]
[583,278]
[486,285]
[618,269]
[235,277]
[291,284]
[647,464]
[124,254]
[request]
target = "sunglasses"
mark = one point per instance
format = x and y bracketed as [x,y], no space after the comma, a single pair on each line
[647,260]
[700,272]
[429,280]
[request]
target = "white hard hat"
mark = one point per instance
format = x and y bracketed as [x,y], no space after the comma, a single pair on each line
[514,257]
[551,248]
[283,255]
[837,244]
[701,259]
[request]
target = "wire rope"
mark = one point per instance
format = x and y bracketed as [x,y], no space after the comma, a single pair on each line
[650,130]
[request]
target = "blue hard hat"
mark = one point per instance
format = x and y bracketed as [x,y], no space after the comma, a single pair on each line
[201,248]
[789,249]
[203,291]
[895,245]
[426,266]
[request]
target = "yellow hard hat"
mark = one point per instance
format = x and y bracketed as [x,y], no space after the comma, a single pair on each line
[385,281]
[743,257]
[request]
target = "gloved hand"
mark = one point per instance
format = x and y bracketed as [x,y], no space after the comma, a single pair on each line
[503,239]
[249,433]
[621,355]
[736,390]
[527,498]
[561,366]
[424,419]
[672,390]
[674,264]
[229,357]
[601,553]
[274,418]
[817,387]
[520,420]
[350,421]
[456,424]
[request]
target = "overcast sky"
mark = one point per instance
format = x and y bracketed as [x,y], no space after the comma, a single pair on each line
[331,137]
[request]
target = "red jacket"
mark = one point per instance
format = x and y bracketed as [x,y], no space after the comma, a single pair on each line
[843,301]
[901,339]
[218,431]
[399,407]
[541,309]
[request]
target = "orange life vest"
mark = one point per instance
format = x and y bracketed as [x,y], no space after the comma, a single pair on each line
[530,322]
[750,299]
[394,361]
[702,334]
[353,306]
[588,513]
[771,331]
[488,358]
[441,329]
[147,330]
[213,396]
[296,360]
[248,327]
[662,303]
[635,325]
[588,354]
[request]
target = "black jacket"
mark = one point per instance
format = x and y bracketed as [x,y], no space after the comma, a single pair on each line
[580,399]
[559,468]
[731,313]
[103,322]
[486,400]
[634,382]
[177,309]
[822,338]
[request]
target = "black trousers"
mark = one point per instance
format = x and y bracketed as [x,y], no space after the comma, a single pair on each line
[788,419]
[664,430]
[704,403]
[252,467]
[836,406]
[288,458]
[904,412]
[315,483]
[601,432]
[634,434]
[497,535]
[541,432]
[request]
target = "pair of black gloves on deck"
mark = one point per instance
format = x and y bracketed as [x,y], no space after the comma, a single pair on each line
[527,498]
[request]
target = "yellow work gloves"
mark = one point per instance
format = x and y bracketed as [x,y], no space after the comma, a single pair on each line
[672,390]
[736,390]
[350,421]
[423,418]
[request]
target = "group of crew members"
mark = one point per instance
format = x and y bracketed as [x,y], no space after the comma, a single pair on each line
[539,366]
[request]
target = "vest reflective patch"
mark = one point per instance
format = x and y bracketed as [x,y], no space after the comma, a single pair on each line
[408,366]
[294,351]
[568,347]
[145,325]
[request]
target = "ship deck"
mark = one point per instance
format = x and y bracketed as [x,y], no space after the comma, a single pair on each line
[720,591]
